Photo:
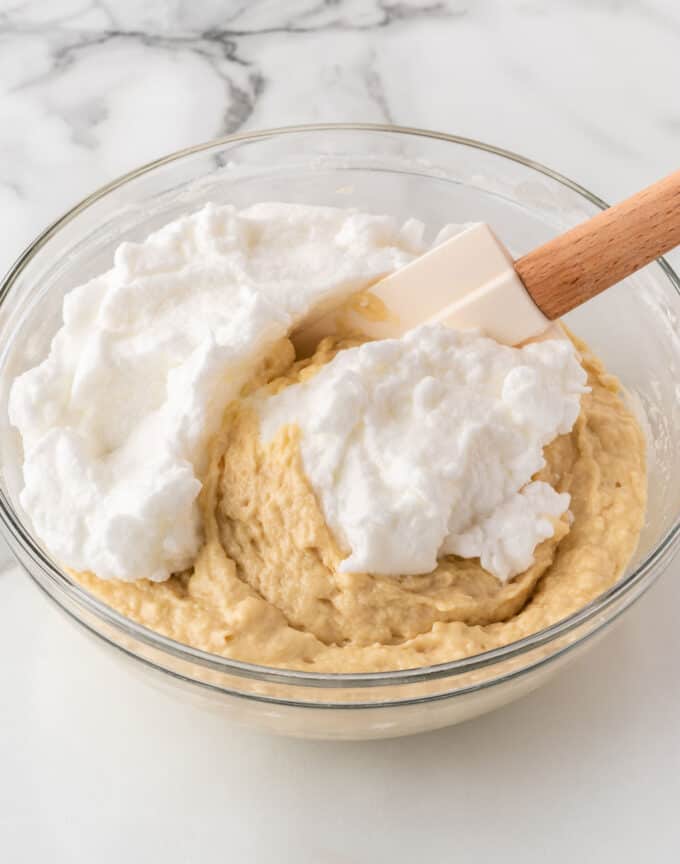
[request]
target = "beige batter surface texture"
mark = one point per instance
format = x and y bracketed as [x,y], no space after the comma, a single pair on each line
[266,589]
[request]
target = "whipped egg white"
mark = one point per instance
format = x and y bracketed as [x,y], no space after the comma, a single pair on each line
[416,447]
[117,420]
[426,445]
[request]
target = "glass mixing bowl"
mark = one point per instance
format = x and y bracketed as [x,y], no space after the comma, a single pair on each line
[404,172]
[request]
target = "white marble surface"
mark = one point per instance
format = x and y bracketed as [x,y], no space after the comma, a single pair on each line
[92,767]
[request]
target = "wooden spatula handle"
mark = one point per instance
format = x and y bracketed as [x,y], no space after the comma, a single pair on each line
[576,266]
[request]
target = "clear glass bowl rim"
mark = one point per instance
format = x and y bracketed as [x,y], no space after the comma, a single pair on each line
[641,578]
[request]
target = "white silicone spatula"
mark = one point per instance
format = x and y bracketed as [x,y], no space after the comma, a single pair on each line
[471,280]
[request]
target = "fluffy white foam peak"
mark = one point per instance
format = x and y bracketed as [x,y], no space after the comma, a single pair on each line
[426,445]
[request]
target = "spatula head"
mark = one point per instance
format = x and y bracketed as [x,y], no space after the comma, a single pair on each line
[466,282]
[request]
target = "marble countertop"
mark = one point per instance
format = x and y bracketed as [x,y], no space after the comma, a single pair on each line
[93,766]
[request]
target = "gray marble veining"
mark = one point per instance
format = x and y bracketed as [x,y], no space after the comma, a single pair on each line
[90,88]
